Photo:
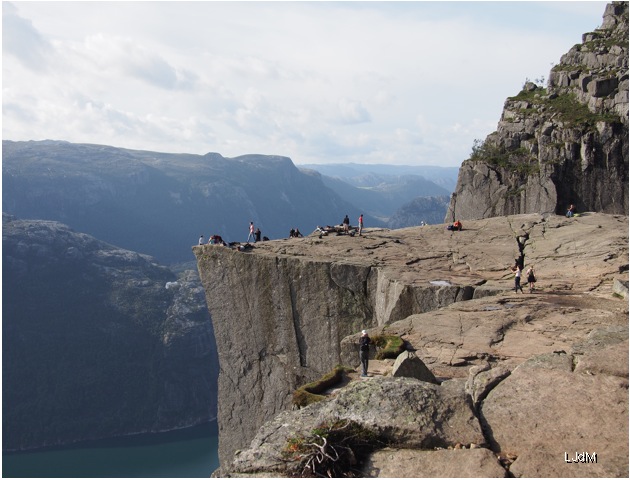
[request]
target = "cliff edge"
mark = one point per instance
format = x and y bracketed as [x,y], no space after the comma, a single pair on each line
[285,312]
[560,145]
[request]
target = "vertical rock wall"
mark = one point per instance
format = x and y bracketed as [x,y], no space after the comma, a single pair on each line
[560,145]
[279,322]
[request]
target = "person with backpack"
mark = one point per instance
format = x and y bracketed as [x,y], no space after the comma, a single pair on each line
[364,352]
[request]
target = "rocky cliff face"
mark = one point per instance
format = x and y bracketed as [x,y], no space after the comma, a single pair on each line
[98,341]
[287,311]
[560,145]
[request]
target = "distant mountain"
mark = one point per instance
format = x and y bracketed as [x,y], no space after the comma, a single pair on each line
[430,210]
[159,203]
[98,341]
[371,175]
[380,190]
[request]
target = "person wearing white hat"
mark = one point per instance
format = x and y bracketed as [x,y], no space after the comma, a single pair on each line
[364,352]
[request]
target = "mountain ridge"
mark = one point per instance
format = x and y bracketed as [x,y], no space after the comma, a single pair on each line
[98,341]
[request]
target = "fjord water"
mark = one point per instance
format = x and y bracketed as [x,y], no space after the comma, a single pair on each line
[186,453]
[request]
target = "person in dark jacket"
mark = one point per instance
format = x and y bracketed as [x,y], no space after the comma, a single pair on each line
[346,224]
[364,352]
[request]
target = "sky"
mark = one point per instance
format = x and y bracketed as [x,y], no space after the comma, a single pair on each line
[404,83]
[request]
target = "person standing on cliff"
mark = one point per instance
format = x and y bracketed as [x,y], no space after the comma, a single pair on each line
[518,270]
[364,352]
[360,224]
[252,233]
[531,279]
[346,224]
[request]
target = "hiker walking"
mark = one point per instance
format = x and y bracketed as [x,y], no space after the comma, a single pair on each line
[364,352]
[531,279]
[517,269]
[360,224]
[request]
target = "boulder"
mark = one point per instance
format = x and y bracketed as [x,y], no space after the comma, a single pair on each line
[407,364]
[526,417]
[403,412]
[409,412]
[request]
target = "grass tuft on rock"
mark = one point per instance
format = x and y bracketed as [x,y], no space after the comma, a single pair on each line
[310,393]
[389,346]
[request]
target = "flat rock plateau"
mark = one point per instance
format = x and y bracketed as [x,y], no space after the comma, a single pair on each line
[529,384]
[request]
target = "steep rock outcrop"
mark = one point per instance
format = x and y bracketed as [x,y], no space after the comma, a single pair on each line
[287,311]
[560,145]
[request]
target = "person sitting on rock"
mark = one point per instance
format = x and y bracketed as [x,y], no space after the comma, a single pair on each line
[570,211]
[457,225]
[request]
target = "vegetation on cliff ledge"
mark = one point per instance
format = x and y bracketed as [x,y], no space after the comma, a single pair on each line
[331,450]
[389,346]
[310,393]
[518,159]
[562,107]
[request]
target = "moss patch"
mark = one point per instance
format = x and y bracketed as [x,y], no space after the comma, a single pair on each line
[310,393]
[390,346]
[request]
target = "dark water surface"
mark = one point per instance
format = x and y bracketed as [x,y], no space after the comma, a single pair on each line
[187,453]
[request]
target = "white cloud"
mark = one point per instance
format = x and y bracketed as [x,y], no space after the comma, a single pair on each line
[21,40]
[352,111]
[401,82]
